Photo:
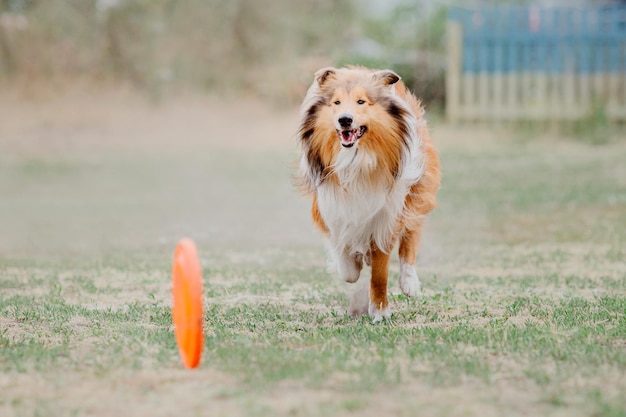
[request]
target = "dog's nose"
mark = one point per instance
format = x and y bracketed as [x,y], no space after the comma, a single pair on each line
[345,120]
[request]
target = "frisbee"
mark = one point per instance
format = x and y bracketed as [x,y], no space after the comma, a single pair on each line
[187,314]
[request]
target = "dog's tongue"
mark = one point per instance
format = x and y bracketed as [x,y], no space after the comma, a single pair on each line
[348,136]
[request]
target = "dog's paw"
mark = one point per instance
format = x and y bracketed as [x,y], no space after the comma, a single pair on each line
[378,314]
[409,281]
[358,260]
[368,258]
[350,267]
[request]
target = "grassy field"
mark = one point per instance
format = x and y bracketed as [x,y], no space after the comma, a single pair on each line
[523,268]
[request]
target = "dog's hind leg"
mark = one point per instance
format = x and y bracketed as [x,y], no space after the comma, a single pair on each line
[408,279]
[379,304]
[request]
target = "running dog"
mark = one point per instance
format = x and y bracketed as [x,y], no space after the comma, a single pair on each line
[372,172]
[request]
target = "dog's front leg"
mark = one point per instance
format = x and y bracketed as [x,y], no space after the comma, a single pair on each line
[379,305]
[350,265]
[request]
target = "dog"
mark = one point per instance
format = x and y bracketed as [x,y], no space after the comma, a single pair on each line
[369,165]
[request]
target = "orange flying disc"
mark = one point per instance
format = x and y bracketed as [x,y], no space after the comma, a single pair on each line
[187,308]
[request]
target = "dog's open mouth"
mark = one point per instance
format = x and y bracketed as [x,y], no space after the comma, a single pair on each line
[350,136]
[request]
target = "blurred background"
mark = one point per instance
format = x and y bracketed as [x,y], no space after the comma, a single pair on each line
[269,49]
[126,123]
[264,48]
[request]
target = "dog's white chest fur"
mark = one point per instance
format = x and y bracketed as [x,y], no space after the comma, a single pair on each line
[360,209]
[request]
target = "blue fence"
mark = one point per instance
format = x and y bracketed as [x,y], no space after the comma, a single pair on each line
[554,40]
[514,62]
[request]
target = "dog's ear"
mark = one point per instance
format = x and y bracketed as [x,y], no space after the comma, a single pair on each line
[322,75]
[387,77]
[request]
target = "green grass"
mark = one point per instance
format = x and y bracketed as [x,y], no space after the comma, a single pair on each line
[523,312]
[299,334]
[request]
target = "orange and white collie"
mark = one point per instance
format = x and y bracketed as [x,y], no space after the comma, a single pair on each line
[372,171]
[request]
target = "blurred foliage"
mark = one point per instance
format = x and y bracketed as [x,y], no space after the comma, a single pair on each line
[269,48]
[411,41]
[217,45]
[594,128]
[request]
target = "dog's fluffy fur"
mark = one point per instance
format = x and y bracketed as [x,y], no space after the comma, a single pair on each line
[372,171]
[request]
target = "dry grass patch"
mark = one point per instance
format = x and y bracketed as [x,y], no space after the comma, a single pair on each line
[522,268]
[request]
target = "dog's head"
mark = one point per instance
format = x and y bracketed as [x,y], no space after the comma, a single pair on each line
[353,100]
[350,109]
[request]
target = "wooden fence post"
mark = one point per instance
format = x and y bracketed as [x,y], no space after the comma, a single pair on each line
[454,33]
[535,63]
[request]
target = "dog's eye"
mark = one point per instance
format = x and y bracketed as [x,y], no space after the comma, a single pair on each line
[360,101]
[337,102]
